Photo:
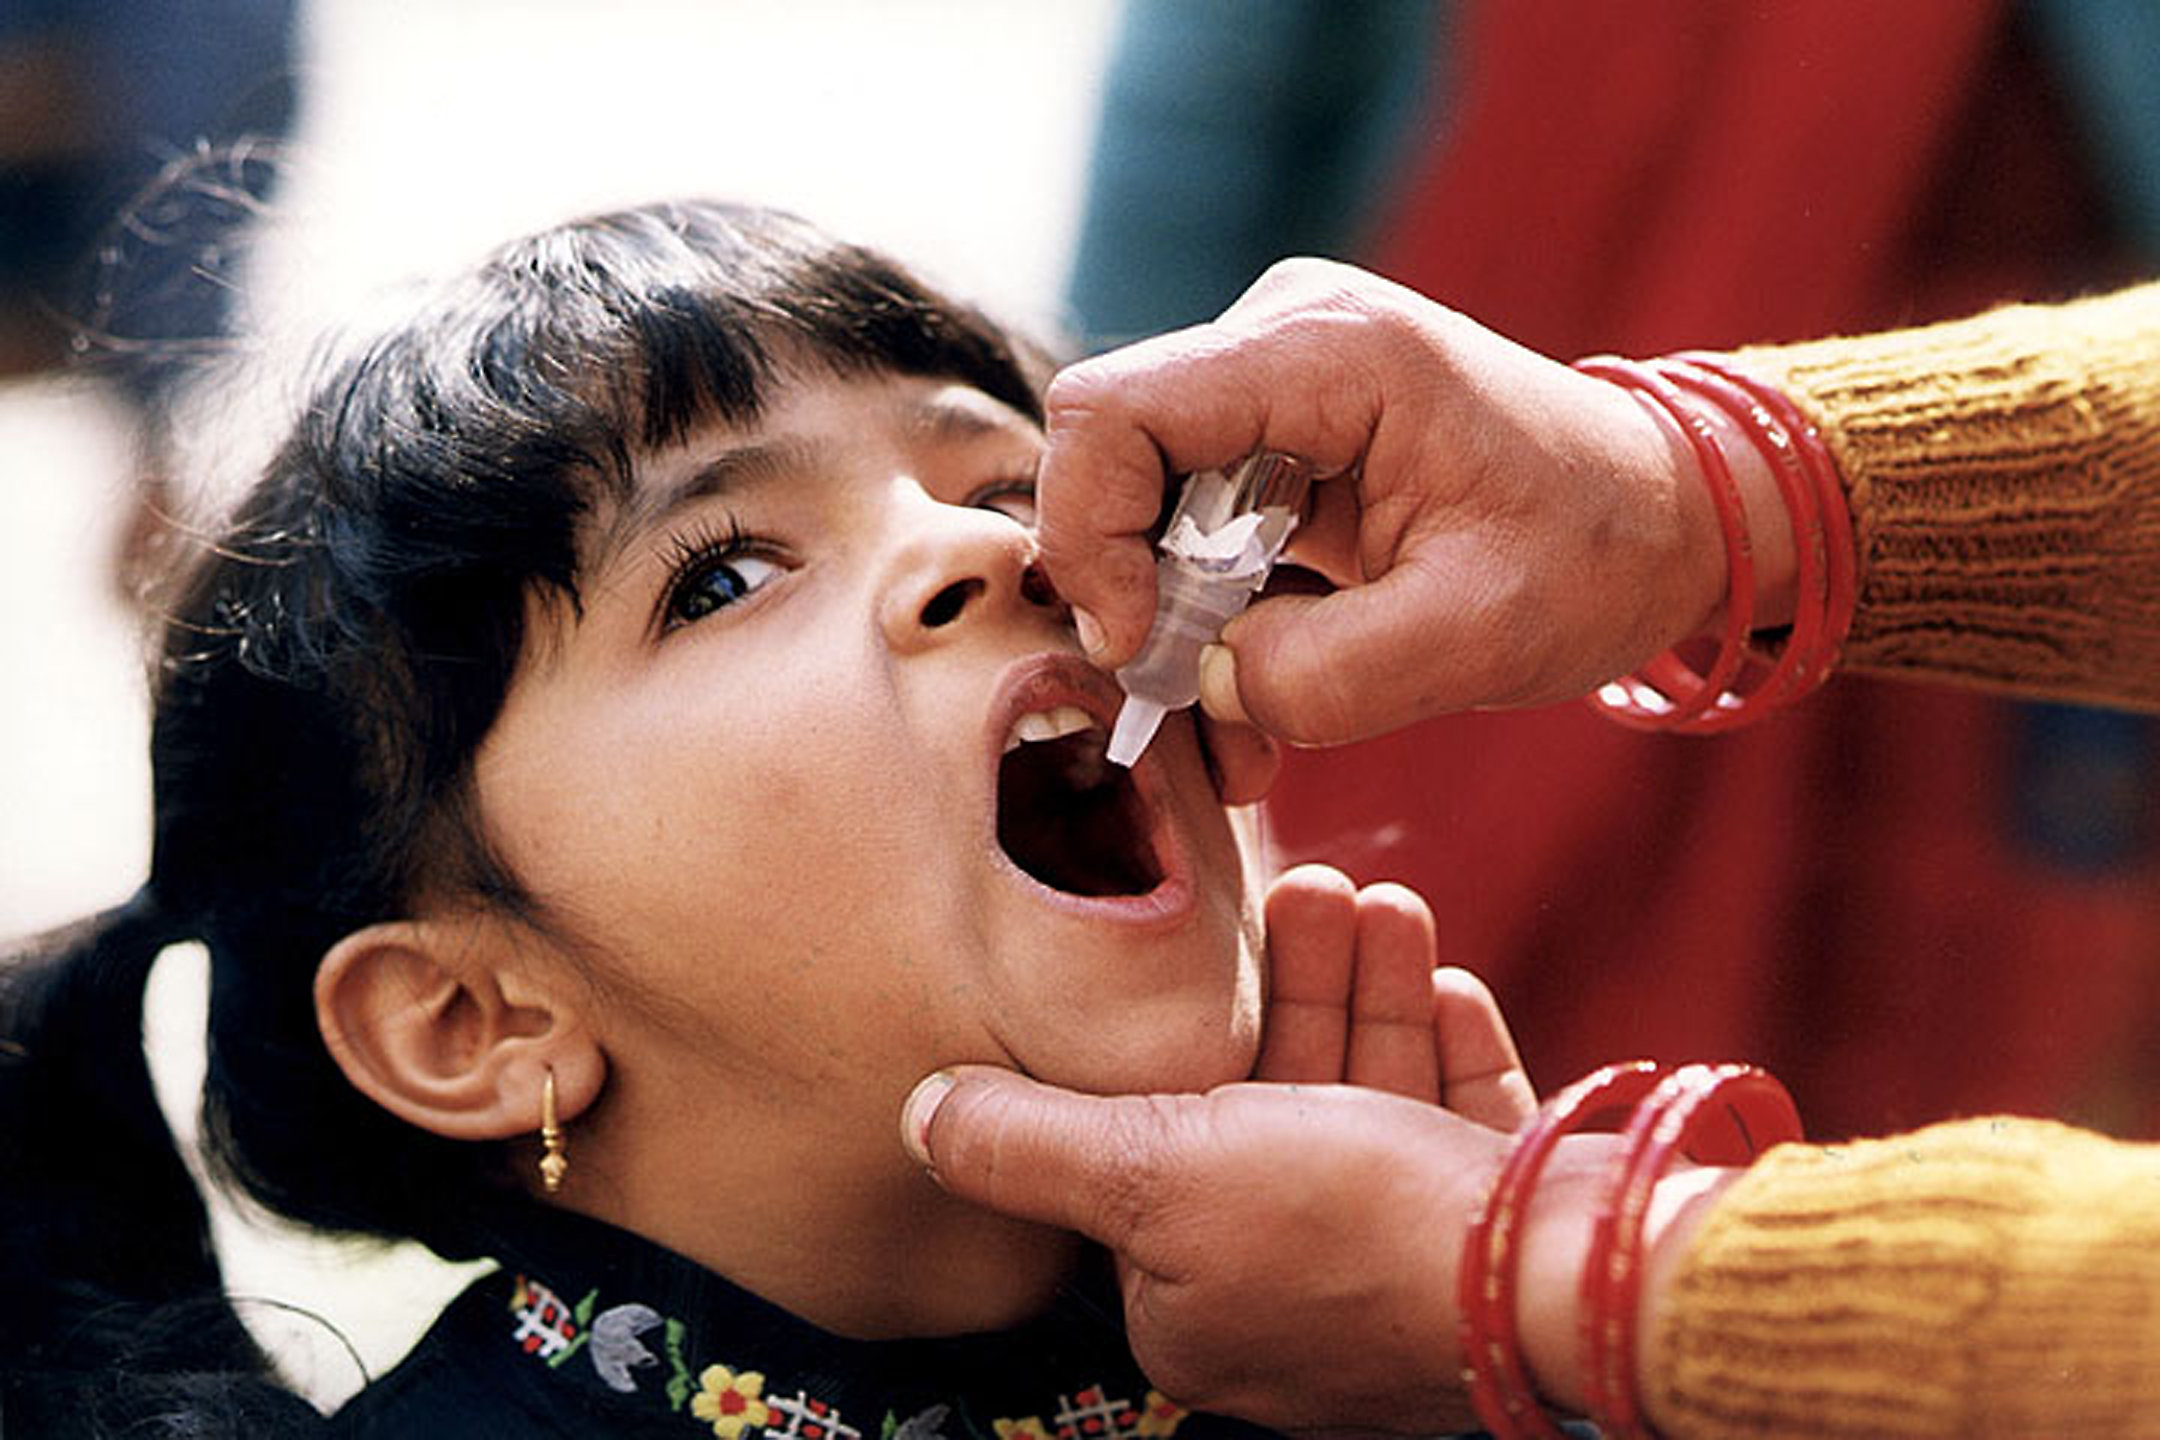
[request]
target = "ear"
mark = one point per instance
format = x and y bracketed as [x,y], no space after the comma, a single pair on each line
[438,1022]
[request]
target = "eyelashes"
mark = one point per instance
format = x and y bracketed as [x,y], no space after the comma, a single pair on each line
[712,567]
[1013,497]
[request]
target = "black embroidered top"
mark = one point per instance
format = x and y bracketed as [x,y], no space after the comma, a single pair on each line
[587,1330]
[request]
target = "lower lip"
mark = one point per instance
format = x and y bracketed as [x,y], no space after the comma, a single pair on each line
[1170,904]
[1165,907]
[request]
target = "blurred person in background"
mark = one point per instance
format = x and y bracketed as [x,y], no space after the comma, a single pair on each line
[1843,894]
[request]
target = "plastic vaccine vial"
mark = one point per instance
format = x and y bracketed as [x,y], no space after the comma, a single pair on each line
[1220,544]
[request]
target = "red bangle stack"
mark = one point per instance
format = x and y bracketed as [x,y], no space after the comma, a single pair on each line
[1681,1118]
[1669,695]
[1671,1116]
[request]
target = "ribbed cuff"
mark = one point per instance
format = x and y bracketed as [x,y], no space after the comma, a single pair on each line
[1982,1278]
[2004,475]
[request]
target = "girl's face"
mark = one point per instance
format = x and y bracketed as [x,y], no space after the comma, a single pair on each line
[816,767]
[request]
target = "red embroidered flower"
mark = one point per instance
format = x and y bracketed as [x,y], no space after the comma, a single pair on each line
[731,1402]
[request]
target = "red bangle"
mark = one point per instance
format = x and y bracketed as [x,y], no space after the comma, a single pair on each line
[1667,695]
[1494,1374]
[1796,488]
[1833,510]
[1712,1114]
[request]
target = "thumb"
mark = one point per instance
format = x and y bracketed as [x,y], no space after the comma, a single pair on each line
[1366,659]
[1035,1152]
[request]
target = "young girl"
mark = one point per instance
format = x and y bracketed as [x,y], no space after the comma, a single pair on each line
[618,746]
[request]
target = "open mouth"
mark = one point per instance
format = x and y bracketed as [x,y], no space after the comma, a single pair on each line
[1066,815]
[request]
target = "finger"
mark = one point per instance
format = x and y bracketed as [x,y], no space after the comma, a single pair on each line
[1098,494]
[1481,1075]
[1311,915]
[1118,424]
[1080,1162]
[1330,669]
[1326,539]
[1219,700]
[1392,1044]
[1243,760]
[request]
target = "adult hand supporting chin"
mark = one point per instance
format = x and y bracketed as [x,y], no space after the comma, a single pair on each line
[1287,1248]
[1502,529]
[1287,1252]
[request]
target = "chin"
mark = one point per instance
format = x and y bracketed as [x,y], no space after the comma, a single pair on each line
[1169,1045]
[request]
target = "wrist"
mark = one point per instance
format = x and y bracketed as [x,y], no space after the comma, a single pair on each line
[1556,1247]
[1769,524]
[1683,1200]
[1789,566]
[1556,1282]
[1703,558]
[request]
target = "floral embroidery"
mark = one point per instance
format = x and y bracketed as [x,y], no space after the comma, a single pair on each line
[923,1425]
[1094,1414]
[545,1325]
[731,1402]
[737,1405]
[678,1385]
[580,1330]
[1159,1416]
[616,1348]
[805,1419]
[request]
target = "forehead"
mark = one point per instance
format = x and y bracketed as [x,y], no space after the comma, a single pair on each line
[810,427]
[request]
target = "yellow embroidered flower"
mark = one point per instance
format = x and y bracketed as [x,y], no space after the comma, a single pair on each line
[730,1401]
[1159,1417]
[1028,1429]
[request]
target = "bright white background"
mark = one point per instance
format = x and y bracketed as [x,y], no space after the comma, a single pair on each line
[953,132]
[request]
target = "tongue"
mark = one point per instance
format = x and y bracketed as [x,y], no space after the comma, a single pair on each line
[1074,822]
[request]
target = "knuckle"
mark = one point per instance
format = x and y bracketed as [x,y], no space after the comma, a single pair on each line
[1079,390]
[1136,1169]
[1302,275]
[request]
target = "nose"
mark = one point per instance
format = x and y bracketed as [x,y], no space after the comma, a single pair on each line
[957,566]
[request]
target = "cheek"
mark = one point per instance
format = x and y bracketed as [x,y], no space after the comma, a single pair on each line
[675,789]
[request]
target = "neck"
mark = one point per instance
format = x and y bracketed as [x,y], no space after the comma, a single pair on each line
[860,1243]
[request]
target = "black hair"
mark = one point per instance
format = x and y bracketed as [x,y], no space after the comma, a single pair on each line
[330,662]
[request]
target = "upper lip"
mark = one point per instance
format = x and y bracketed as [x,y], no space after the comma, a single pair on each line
[1042,682]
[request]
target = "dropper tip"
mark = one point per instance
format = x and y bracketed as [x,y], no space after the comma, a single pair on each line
[1137,721]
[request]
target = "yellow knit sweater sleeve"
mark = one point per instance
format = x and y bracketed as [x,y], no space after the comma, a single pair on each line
[1982,1278]
[2004,477]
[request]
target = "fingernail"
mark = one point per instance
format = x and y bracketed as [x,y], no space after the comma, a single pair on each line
[1091,636]
[921,1108]
[1218,685]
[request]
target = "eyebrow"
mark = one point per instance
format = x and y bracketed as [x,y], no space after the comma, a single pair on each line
[948,419]
[760,461]
[752,462]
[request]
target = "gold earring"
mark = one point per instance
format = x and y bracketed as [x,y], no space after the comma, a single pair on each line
[554,1164]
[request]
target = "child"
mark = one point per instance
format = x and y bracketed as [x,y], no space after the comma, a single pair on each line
[620,744]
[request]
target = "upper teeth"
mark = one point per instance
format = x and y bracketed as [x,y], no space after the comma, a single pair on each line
[1052,724]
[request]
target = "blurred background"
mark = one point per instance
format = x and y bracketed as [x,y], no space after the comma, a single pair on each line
[1909,904]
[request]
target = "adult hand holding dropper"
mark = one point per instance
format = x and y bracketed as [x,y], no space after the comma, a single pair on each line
[1501,529]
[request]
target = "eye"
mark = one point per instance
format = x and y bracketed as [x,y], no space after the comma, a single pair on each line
[713,572]
[1014,499]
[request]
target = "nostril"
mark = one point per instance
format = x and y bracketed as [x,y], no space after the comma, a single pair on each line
[1036,589]
[946,605]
